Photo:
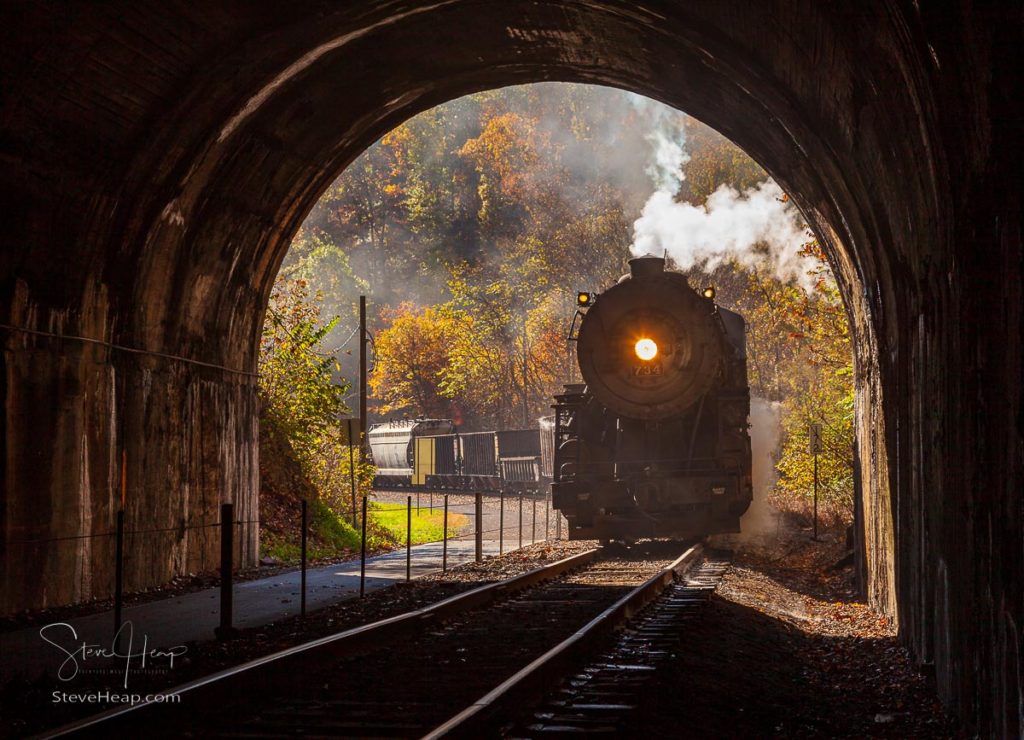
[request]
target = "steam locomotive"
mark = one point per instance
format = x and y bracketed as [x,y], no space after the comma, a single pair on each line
[655,442]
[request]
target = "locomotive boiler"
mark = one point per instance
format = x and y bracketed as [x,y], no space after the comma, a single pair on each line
[655,442]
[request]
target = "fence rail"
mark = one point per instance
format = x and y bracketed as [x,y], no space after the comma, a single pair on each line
[227,524]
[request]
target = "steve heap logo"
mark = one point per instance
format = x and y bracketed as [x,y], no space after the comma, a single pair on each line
[112,697]
[80,655]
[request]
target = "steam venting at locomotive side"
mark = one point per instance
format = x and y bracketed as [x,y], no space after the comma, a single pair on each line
[655,443]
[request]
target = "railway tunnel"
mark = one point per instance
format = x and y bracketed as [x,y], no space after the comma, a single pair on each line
[158,157]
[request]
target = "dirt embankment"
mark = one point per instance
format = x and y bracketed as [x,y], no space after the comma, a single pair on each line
[786,649]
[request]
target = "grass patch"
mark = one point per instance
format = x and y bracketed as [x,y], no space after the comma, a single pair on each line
[330,535]
[332,530]
[427,525]
[280,549]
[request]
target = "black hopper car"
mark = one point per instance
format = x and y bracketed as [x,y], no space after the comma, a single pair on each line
[429,454]
[655,442]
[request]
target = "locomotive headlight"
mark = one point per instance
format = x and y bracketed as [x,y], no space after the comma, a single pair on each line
[646,349]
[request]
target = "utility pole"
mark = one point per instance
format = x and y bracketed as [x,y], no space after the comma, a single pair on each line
[352,469]
[526,378]
[815,498]
[362,375]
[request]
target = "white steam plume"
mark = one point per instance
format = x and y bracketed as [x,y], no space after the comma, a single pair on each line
[668,138]
[765,433]
[755,228]
[669,157]
[758,228]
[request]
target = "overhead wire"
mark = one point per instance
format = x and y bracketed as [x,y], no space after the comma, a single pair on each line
[125,348]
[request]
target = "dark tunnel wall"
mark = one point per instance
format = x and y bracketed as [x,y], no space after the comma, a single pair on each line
[158,156]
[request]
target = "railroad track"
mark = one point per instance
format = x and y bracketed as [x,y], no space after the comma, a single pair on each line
[602,697]
[405,676]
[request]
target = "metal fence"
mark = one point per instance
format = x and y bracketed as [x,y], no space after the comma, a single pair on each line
[518,515]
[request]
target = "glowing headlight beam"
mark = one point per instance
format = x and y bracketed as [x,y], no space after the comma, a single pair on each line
[646,349]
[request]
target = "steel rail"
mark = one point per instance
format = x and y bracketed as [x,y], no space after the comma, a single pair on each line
[263,676]
[544,674]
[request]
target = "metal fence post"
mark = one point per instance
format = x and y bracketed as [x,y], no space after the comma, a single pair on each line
[303,540]
[501,522]
[227,550]
[520,521]
[408,541]
[352,471]
[444,546]
[533,535]
[362,555]
[479,527]
[119,577]
[815,498]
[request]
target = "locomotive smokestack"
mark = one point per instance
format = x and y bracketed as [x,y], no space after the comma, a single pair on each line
[646,266]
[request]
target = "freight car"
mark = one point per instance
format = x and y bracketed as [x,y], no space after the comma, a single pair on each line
[458,462]
[655,442]
[410,454]
[392,445]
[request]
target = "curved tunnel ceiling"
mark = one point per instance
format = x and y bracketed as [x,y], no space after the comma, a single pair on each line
[242,156]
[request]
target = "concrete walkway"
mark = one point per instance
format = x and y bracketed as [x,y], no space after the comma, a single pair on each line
[193,616]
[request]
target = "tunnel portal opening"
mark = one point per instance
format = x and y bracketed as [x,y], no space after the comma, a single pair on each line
[473,227]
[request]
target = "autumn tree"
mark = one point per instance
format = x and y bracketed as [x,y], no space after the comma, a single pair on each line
[412,357]
[799,353]
[301,396]
[715,161]
[364,208]
[820,391]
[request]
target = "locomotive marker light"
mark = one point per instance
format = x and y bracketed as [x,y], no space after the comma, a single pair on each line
[709,292]
[584,299]
[646,349]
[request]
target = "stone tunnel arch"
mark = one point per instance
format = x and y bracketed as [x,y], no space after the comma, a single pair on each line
[159,182]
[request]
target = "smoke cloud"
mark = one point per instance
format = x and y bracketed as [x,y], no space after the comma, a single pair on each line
[765,433]
[667,137]
[757,228]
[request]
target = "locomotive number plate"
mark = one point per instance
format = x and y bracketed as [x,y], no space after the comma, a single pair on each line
[647,369]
